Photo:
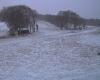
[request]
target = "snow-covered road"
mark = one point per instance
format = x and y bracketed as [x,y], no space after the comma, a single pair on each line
[51,54]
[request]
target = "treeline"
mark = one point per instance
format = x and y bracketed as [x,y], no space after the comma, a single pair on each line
[23,15]
[65,20]
[69,20]
[93,22]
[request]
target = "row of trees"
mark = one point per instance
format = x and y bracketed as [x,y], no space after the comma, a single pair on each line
[66,20]
[93,22]
[17,18]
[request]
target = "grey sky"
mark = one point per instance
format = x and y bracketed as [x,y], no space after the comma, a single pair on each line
[85,8]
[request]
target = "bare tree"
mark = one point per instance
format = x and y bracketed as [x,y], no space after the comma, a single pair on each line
[19,17]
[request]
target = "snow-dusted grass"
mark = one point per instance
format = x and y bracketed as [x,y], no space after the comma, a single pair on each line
[50,54]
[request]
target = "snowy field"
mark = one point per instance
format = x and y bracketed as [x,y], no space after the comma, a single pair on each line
[50,54]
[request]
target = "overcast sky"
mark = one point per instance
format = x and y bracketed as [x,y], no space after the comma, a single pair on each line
[85,8]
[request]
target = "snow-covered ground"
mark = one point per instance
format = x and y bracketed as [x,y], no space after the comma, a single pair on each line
[3,29]
[51,54]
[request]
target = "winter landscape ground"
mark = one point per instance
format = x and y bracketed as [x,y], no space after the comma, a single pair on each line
[51,54]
